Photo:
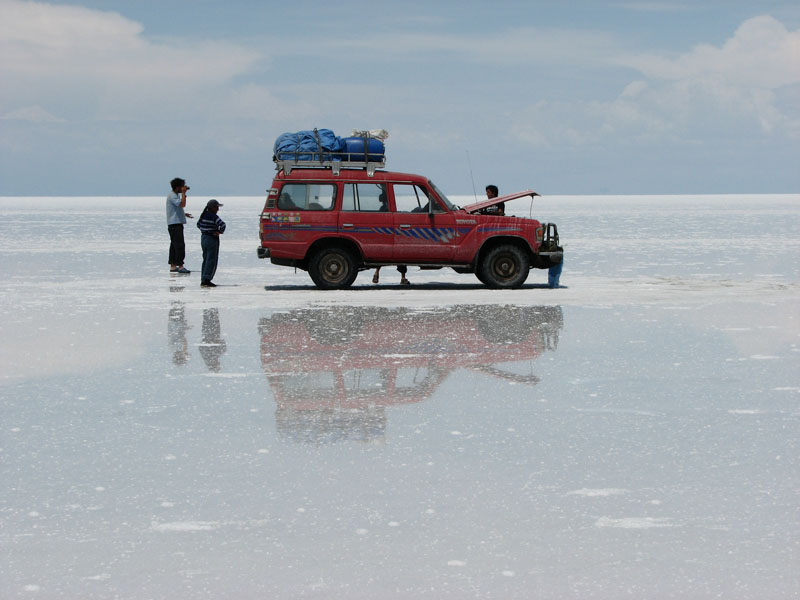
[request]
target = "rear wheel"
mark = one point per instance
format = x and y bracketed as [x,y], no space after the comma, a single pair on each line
[505,266]
[332,269]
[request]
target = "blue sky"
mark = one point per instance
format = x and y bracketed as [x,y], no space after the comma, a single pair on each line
[108,97]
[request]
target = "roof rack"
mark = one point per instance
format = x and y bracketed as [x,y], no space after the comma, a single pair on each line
[335,161]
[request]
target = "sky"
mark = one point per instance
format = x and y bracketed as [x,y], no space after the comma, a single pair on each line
[112,97]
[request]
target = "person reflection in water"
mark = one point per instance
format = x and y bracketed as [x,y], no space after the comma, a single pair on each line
[213,346]
[176,334]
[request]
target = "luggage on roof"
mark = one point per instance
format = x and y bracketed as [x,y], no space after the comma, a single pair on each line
[322,148]
[364,149]
[317,144]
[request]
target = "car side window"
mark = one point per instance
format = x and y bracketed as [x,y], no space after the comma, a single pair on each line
[412,198]
[365,197]
[307,196]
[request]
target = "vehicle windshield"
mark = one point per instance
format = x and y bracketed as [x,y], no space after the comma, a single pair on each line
[441,195]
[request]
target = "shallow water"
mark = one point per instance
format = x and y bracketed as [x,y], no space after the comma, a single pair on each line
[631,434]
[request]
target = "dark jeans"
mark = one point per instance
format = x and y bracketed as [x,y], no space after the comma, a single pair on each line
[177,247]
[554,274]
[210,246]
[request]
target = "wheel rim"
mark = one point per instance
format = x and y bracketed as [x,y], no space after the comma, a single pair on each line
[334,268]
[505,267]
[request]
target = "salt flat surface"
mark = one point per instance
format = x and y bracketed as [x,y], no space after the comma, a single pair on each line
[631,434]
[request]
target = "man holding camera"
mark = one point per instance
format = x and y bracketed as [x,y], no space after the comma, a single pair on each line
[176,218]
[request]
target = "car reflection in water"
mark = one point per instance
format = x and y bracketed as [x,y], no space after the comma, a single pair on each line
[334,372]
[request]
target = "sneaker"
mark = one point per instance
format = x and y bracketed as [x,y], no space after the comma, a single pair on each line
[173,270]
[184,271]
[207,284]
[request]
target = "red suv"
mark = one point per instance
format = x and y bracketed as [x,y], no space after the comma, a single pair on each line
[336,218]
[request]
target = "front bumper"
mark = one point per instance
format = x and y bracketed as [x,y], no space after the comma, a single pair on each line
[548,258]
[551,253]
[262,252]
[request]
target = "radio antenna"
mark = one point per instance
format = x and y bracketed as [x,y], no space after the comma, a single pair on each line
[469,162]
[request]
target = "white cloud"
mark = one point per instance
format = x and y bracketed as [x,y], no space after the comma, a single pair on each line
[633,89]
[656,6]
[627,119]
[259,103]
[709,93]
[733,85]
[97,58]
[434,89]
[762,53]
[33,114]
[523,45]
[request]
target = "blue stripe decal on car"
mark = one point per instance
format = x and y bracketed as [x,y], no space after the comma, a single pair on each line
[440,235]
[497,228]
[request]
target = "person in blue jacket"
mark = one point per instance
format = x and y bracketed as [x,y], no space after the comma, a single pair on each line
[211,227]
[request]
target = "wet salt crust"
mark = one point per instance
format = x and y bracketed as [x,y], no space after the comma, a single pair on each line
[631,433]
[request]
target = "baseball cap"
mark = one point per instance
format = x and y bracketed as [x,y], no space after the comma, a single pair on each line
[213,204]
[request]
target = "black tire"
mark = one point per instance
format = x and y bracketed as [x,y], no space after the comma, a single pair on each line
[332,269]
[505,266]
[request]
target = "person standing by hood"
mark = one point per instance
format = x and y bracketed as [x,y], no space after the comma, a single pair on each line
[211,227]
[496,209]
[176,219]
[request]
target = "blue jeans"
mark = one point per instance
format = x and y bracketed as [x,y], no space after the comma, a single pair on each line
[210,246]
[553,274]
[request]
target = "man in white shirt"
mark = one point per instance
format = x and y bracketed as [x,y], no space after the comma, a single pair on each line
[176,218]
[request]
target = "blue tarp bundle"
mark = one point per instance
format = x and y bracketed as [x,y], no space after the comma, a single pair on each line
[324,145]
[308,145]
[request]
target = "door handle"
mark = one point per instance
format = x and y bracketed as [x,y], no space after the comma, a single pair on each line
[347,224]
[405,226]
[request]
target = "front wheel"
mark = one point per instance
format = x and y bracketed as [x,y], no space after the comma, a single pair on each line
[505,266]
[332,269]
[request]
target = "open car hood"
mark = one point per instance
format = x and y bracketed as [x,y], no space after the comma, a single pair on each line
[473,208]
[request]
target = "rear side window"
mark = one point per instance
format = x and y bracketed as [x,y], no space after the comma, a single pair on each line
[365,197]
[412,198]
[307,196]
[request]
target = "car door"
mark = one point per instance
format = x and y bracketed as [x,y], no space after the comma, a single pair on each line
[421,236]
[365,218]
